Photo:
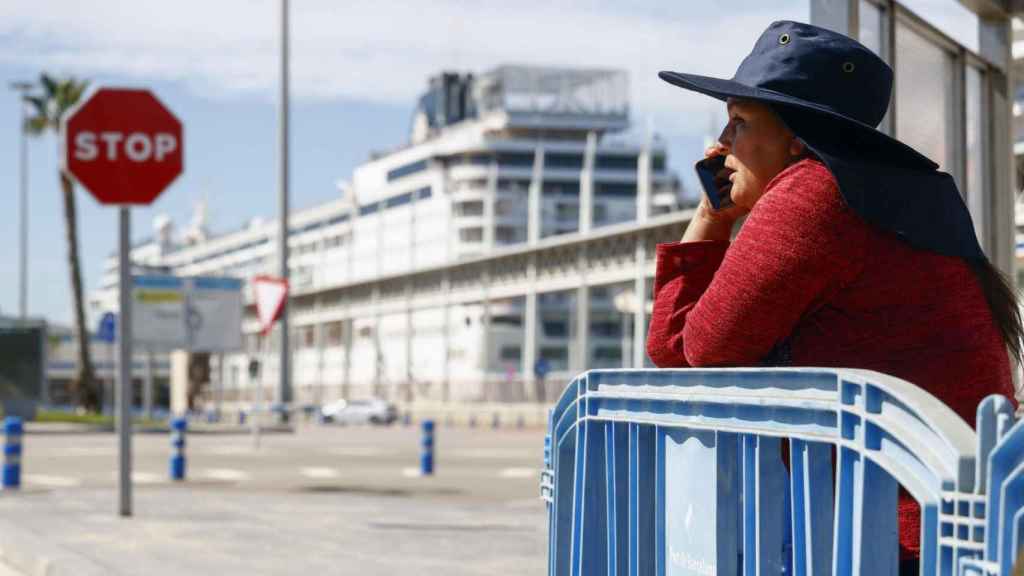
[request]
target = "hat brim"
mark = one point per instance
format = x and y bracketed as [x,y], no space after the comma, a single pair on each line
[859,135]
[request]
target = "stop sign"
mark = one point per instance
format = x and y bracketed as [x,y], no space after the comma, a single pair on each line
[122,145]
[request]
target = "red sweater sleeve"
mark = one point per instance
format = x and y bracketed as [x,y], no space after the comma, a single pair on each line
[717,304]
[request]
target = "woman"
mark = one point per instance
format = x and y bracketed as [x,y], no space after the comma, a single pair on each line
[856,253]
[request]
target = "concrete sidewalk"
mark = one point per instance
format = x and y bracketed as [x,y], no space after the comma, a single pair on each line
[178,530]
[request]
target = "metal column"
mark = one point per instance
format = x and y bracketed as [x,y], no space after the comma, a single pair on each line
[124,366]
[643,211]
[284,366]
[586,206]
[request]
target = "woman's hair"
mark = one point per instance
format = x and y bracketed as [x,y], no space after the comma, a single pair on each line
[1002,301]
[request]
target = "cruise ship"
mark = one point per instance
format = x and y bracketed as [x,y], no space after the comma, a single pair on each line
[513,157]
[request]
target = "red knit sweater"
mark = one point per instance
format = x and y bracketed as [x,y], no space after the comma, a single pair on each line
[807,282]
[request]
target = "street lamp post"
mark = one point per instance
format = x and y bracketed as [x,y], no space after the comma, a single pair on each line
[23,88]
[285,391]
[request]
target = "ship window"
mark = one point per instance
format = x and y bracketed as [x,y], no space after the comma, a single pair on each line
[368,209]
[515,159]
[506,320]
[511,353]
[407,170]
[616,189]
[399,200]
[563,161]
[616,163]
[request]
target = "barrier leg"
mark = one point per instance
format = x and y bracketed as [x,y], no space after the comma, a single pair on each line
[178,426]
[12,453]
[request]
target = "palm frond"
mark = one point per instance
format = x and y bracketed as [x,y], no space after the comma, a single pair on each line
[49,85]
[36,125]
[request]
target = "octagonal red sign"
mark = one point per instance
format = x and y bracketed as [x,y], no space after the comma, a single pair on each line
[122,145]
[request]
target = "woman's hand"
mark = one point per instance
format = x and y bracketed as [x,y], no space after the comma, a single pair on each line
[711,224]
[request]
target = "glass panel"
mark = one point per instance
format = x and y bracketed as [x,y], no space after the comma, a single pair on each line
[870,33]
[924,96]
[975,132]
[611,326]
[952,18]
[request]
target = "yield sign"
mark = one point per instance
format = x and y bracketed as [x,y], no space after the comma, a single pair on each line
[271,294]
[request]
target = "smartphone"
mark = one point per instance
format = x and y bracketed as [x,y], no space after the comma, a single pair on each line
[707,172]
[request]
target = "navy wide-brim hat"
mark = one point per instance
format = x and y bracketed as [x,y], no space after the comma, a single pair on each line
[832,92]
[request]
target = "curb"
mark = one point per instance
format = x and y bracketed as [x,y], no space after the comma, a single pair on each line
[76,429]
[24,551]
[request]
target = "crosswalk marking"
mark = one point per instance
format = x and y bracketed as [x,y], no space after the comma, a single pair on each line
[224,474]
[319,473]
[519,473]
[47,481]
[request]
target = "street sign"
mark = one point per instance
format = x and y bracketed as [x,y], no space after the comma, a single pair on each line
[107,329]
[125,148]
[215,314]
[122,145]
[271,294]
[199,314]
[158,306]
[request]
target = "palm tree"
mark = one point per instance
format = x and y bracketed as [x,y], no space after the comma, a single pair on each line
[56,97]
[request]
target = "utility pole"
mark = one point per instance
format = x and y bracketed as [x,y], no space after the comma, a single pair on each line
[22,88]
[285,390]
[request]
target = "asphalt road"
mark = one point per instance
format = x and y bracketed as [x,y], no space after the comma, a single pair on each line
[324,500]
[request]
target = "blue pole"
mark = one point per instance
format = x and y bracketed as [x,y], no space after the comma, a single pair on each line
[178,426]
[427,447]
[12,452]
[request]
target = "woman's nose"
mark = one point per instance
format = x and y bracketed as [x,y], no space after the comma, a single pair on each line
[725,138]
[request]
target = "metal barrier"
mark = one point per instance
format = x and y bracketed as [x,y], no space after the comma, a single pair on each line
[661,472]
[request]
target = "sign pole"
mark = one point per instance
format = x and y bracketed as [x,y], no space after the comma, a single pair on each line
[124,366]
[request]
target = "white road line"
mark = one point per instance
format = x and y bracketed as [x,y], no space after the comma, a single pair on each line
[411,472]
[148,478]
[228,450]
[360,451]
[519,473]
[225,474]
[89,451]
[46,481]
[139,477]
[495,453]
[319,473]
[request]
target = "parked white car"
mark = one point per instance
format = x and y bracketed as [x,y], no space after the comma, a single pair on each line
[359,412]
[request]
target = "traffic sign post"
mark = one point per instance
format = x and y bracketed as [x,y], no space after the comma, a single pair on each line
[125,148]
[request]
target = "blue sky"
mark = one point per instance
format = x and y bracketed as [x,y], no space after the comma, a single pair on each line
[356,71]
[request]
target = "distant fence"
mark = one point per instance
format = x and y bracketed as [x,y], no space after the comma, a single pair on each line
[664,472]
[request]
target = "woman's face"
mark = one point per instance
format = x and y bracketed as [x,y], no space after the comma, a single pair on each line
[758,146]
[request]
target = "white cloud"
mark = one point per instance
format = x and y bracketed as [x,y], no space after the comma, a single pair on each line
[384,50]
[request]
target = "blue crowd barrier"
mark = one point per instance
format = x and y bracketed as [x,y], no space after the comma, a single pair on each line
[665,472]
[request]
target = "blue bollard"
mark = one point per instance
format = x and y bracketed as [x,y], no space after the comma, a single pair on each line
[495,421]
[472,420]
[547,451]
[178,426]
[407,419]
[12,452]
[241,417]
[520,422]
[427,447]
